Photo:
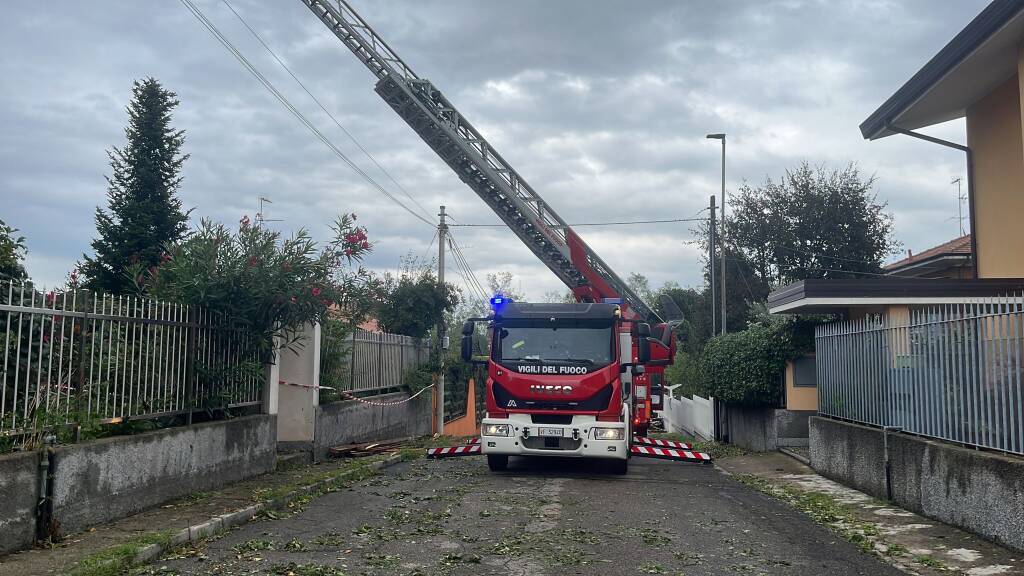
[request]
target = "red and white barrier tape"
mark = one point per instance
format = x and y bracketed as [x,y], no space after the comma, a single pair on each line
[351,396]
[453,451]
[662,443]
[670,454]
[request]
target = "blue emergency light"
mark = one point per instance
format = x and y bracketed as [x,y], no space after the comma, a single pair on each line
[498,301]
[612,300]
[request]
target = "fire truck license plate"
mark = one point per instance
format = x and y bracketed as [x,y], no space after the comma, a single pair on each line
[549,432]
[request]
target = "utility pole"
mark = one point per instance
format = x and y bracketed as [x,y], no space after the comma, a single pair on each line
[711,263]
[722,234]
[442,233]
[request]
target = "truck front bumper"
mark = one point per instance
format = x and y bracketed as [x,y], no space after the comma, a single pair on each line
[577,439]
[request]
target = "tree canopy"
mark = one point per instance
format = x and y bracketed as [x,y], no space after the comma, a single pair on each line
[412,302]
[12,254]
[813,223]
[144,213]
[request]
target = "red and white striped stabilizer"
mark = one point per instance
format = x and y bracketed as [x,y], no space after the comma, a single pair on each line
[670,454]
[449,451]
[661,443]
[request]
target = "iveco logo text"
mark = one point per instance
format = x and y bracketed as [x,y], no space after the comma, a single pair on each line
[538,369]
[552,388]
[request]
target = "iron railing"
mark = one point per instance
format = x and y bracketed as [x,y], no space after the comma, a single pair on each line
[365,362]
[79,357]
[951,372]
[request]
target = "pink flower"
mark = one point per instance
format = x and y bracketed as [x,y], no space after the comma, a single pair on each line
[365,245]
[253,261]
[315,291]
[294,300]
[348,251]
[244,222]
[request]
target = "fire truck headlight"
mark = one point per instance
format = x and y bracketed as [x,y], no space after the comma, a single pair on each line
[609,433]
[497,430]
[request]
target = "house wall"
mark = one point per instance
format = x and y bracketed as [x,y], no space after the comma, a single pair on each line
[799,397]
[995,136]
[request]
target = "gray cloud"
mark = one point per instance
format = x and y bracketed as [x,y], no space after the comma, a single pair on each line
[602,106]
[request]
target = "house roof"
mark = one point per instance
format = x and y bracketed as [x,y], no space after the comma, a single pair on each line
[980,58]
[957,250]
[837,295]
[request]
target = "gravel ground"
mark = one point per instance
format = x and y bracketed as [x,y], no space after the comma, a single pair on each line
[543,517]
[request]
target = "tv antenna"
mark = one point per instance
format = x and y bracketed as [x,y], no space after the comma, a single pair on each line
[261,216]
[960,197]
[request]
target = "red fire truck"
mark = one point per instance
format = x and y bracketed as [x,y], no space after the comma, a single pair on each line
[560,380]
[566,396]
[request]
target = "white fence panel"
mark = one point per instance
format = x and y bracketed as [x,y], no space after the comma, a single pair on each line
[692,416]
[703,414]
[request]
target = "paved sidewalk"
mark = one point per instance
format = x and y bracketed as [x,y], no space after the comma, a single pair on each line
[910,542]
[128,536]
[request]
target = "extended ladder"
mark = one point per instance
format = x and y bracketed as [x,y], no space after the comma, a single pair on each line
[478,164]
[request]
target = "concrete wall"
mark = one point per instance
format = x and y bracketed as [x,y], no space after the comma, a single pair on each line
[849,453]
[298,379]
[19,492]
[979,491]
[115,477]
[995,136]
[353,421]
[767,429]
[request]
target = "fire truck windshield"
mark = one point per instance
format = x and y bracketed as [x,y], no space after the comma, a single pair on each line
[592,347]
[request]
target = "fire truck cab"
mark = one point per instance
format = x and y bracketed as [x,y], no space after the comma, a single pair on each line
[559,380]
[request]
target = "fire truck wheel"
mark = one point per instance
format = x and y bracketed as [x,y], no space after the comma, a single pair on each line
[497,462]
[620,467]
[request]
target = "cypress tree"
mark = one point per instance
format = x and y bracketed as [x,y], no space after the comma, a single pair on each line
[144,212]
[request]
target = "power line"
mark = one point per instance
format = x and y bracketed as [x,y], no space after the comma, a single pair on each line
[472,279]
[470,276]
[579,225]
[324,108]
[460,255]
[429,246]
[213,30]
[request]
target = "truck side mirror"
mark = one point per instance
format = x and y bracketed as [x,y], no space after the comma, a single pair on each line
[643,344]
[467,347]
[467,328]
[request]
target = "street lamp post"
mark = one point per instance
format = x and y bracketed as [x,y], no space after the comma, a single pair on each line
[721,234]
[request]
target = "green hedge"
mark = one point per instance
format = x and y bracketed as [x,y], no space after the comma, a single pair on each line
[747,367]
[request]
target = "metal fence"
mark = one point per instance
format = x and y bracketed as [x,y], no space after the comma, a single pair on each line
[78,357]
[951,372]
[362,361]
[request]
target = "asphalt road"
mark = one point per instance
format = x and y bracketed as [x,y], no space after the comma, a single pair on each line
[543,517]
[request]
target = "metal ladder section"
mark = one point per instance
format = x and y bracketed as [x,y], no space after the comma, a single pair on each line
[472,158]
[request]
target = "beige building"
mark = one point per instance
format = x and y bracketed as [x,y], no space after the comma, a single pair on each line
[978,75]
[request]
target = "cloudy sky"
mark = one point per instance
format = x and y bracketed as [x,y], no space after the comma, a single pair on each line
[601,105]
